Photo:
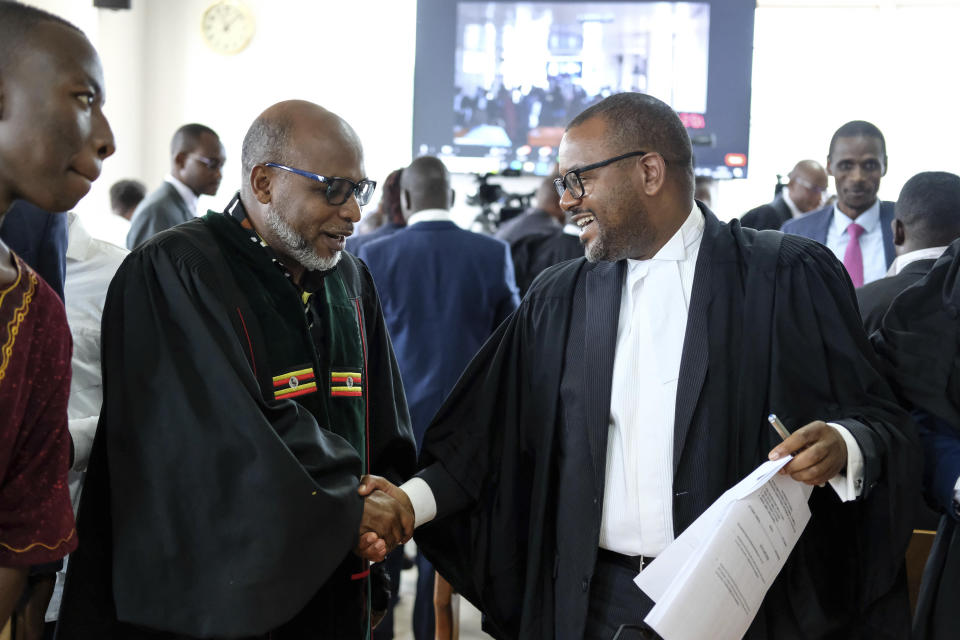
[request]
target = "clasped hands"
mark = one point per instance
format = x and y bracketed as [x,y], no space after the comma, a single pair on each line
[819,453]
[387,520]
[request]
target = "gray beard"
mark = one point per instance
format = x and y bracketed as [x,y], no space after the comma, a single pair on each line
[296,246]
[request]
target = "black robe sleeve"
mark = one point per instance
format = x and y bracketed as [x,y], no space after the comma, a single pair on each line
[494,438]
[208,511]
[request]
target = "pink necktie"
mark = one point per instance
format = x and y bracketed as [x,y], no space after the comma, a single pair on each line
[853,258]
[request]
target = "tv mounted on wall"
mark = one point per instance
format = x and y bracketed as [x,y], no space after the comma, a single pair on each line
[497,81]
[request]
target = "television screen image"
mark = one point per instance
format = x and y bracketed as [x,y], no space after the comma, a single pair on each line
[517,86]
[497,81]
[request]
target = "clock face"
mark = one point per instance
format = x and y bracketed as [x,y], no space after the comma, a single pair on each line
[227,26]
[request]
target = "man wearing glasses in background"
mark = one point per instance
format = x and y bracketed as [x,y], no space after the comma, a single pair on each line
[802,194]
[249,383]
[196,160]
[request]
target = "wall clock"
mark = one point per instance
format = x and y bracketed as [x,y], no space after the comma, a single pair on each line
[227,26]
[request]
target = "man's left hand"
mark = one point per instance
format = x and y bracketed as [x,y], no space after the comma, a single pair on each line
[819,453]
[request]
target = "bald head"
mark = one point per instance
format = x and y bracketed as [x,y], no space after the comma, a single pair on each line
[808,182]
[425,184]
[927,212]
[303,183]
[288,131]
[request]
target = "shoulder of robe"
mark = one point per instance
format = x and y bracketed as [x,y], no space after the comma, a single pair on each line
[558,280]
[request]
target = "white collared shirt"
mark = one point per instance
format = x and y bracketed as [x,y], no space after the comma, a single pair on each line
[429,215]
[901,261]
[871,240]
[185,192]
[654,300]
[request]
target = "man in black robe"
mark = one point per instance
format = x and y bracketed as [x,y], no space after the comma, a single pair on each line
[515,466]
[926,220]
[918,341]
[249,382]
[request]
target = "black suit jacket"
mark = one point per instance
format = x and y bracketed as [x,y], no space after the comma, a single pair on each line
[162,209]
[767,216]
[875,297]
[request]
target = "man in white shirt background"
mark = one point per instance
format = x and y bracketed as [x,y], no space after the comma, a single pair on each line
[91,265]
[196,163]
[803,193]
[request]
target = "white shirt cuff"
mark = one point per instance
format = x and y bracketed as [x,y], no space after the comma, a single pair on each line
[849,485]
[421,497]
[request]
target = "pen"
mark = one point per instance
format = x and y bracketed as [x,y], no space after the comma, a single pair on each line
[775,422]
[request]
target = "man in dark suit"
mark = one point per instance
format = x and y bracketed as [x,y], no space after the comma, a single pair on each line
[444,290]
[196,161]
[545,217]
[388,210]
[587,433]
[857,228]
[802,194]
[927,221]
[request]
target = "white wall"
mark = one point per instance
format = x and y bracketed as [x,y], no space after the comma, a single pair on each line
[814,69]
[817,68]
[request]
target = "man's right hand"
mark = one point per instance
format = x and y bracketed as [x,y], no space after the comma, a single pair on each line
[387,519]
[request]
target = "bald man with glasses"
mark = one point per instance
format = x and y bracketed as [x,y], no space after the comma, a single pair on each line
[249,384]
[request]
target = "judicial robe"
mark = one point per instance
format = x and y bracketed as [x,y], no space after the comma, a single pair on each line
[516,455]
[221,496]
[919,341]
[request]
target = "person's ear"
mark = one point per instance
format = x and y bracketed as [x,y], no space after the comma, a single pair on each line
[451,199]
[261,184]
[884,170]
[405,200]
[653,172]
[828,167]
[180,160]
[899,232]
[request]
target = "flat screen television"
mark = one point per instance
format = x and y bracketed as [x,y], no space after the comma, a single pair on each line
[497,81]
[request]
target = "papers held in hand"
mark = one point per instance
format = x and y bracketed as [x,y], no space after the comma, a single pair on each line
[710,581]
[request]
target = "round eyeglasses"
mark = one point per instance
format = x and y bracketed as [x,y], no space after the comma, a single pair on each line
[338,189]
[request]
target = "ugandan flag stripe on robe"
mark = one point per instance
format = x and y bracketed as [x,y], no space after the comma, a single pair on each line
[295,383]
[346,384]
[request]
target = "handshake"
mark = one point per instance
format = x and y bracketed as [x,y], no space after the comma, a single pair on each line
[387,520]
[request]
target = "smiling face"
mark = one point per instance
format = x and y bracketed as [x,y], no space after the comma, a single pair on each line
[612,219]
[305,227]
[53,133]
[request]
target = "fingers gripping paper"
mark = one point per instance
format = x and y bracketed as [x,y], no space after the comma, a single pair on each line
[723,564]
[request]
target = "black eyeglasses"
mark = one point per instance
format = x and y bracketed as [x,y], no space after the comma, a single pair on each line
[570,181]
[338,189]
[214,164]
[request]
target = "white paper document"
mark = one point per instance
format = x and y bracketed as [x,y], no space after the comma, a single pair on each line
[710,581]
